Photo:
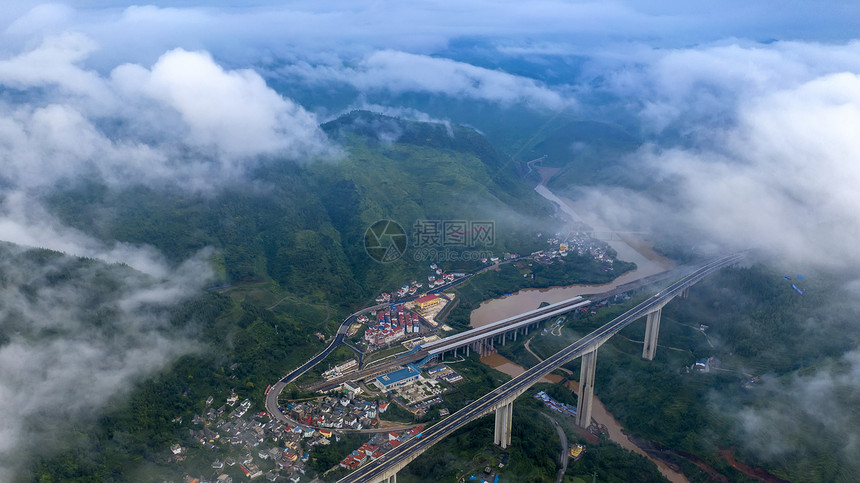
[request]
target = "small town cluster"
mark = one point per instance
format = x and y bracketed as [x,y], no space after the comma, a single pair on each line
[390,325]
[415,391]
[579,242]
[378,445]
[346,412]
[436,280]
[257,444]
[576,450]
[411,388]
[560,407]
[262,447]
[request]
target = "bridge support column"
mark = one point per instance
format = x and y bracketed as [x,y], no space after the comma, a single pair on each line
[652,330]
[586,389]
[685,293]
[515,334]
[504,423]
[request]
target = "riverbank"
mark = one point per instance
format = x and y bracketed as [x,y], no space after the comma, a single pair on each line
[628,248]
[598,412]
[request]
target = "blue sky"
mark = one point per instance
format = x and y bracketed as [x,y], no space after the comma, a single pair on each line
[711,71]
[242,31]
[192,75]
[765,94]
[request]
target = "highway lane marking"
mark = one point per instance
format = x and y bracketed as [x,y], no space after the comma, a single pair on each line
[435,433]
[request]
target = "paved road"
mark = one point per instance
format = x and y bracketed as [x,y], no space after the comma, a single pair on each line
[386,366]
[527,318]
[410,450]
[278,387]
[275,390]
[272,397]
[565,454]
[456,340]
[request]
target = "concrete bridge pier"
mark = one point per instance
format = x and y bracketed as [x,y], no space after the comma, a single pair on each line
[586,389]
[652,330]
[504,423]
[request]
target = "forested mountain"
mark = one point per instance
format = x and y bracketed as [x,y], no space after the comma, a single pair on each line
[303,225]
[288,238]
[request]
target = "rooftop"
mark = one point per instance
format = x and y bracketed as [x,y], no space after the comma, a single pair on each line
[426,298]
[399,375]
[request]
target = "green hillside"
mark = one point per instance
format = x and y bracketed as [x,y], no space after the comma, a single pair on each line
[302,225]
[291,263]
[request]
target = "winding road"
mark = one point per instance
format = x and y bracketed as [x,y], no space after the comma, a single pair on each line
[276,389]
[399,457]
[565,455]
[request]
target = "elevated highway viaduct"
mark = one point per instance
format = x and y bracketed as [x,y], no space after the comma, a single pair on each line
[500,400]
[481,339]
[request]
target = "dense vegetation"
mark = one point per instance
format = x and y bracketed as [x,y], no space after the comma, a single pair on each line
[533,454]
[757,326]
[288,242]
[303,226]
[246,348]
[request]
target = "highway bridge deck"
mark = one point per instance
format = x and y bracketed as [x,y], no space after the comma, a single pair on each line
[399,457]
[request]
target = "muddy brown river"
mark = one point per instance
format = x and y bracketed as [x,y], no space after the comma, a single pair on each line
[647,262]
[598,413]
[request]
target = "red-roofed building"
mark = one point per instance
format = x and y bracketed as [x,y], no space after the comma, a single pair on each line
[427,300]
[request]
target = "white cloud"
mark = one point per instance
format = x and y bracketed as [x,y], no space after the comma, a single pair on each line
[398,72]
[806,407]
[696,89]
[54,63]
[137,124]
[140,33]
[74,344]
[234,112]
[24,222]
[781,178]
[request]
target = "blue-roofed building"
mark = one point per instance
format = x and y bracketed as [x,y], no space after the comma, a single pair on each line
[398,378]
[436,369]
